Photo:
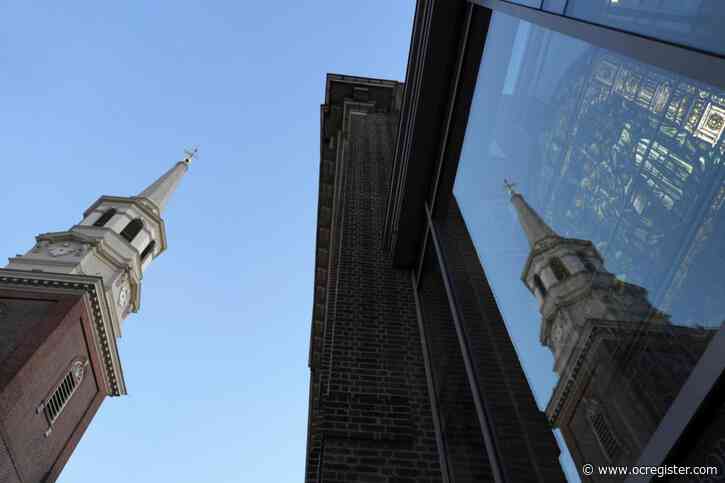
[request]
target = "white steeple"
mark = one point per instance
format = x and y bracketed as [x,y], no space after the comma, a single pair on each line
[534,227]
[572,285]
[161,190]
[116,240]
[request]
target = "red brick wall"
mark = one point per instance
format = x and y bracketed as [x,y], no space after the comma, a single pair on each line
[45,333]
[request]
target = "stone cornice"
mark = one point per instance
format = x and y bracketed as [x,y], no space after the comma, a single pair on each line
[104,251]
[596,330]
[92,287]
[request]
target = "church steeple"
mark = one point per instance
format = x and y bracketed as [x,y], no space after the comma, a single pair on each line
[161,190]
[569,279]
[603,334]
[117,240]
[534,227]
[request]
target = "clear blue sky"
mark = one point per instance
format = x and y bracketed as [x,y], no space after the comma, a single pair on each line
[102,100]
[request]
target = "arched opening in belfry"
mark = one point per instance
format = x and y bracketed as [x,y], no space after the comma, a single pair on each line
[132,229]
[588,265]
[539,285]
[105,217]
[148,250]
[559,269]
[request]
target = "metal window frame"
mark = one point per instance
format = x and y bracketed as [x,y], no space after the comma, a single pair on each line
[706,379]
[692,62]
[440,441]
[486,425]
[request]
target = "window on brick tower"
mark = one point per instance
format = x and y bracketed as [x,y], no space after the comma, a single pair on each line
[105,217]
[62,393]
[132,229]
[604,434]
[560,271]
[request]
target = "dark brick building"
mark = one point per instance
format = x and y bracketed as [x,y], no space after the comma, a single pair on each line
[369,409]
[614,131]
[391,399]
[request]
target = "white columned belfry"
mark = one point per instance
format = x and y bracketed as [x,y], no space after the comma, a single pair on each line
[115,241]
[571,283]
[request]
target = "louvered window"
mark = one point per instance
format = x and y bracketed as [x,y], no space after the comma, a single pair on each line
[105,217]
[603,432]
[58,399]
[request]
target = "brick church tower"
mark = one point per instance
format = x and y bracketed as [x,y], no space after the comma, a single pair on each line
[62,305]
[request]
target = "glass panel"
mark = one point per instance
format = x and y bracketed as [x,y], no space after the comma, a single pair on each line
[697,23]
[528,3]
[527,449]
[465,450]
[556,6]
[619,166]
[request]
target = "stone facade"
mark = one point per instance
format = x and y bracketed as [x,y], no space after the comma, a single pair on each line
[528,450]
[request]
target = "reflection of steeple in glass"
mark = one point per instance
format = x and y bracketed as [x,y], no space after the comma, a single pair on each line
[534,227]
[600,330]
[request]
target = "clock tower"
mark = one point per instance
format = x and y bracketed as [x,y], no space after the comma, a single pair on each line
[618,367]
[62,307]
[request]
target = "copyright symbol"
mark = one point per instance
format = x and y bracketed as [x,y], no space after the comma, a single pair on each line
[588,470]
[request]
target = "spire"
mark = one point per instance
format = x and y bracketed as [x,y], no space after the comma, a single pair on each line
[534,227]
[162,189]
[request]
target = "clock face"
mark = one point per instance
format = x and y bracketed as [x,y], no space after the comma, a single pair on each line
[123,296]
[60,250]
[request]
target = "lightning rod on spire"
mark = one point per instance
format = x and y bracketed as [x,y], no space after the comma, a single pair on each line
[190,155]
[509,187]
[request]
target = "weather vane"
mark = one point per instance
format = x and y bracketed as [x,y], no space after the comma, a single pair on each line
[509,186]
[190,154]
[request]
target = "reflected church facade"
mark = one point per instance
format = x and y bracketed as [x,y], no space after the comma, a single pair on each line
[633,158]
[618,368]
[626,161]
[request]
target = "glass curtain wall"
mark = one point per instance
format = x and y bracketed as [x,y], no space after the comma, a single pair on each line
[459,424]
[604,251]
